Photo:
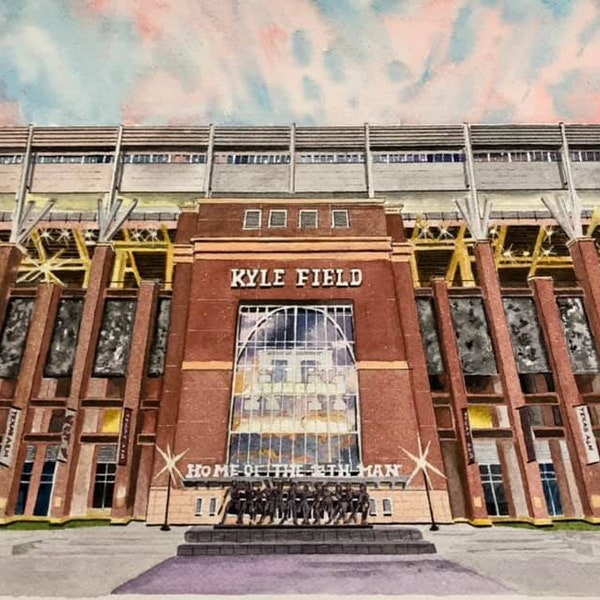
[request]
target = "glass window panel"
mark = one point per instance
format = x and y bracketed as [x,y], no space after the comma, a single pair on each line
[64,338]
[430,337]
[14,335]
[42,502]
[295,389]
[493,489]
[25,481]
[527,343]
[551,489]
[158,352]
[471,330]
[582,350]
[112,352]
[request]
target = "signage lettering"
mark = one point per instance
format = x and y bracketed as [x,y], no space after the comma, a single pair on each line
[202,471]
[276,278]
[124,439]
[468,437]
[589,439]
[7,450]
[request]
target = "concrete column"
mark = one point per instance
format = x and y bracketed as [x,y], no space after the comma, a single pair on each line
[587,476]
[30,374]
[91,320]
[474,499]
[126,476]
[490,285]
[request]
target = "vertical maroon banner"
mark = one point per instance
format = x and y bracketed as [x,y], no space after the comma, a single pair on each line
[468,436]
[124,437]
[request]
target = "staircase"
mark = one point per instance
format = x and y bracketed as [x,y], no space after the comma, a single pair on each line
[285,539]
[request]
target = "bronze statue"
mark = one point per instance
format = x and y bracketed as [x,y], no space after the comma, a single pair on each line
[316,504]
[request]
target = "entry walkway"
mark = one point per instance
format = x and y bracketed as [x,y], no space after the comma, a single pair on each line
[136,559]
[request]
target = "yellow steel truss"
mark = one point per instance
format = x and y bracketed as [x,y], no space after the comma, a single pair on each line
[42,264]
[435,237]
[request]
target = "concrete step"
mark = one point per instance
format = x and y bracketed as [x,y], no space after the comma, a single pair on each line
[299,547]
[61,549]
[284,533]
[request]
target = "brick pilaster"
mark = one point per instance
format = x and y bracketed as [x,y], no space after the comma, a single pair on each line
[32,366]
[126,476]
[587,476]
[91,320]
[474,499]
[490,285]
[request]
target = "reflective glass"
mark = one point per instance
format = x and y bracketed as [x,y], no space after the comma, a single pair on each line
[295,388]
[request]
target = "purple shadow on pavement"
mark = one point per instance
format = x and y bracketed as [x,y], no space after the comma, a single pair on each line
[323,574]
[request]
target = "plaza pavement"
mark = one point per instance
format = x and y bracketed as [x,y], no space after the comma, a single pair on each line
[137,560]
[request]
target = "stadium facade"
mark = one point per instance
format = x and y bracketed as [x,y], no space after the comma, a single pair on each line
[331,304]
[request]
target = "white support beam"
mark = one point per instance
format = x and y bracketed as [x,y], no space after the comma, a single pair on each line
[208,169]
[369,163]
[292,182]
[476,216]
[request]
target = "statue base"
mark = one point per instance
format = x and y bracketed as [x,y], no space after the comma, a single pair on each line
[307,539]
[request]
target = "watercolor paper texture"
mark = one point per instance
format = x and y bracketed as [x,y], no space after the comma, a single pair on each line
[310,62]
[280,297]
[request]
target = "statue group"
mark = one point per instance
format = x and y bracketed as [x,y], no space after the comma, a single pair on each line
[309,504]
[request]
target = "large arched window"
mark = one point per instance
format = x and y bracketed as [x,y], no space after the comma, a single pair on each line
[295,387]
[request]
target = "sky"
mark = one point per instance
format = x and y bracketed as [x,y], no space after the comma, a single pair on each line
[310,62]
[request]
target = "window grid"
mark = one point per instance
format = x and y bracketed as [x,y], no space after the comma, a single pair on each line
[309,219]
[278,218]
[418,157]
[164,158]
[295,390]
[340,219]
[44,493]
[252,219]
[104,484]
[551,489]
[493,489]
[11,159]
[585,155]
[25,481]
[322,158]
[253,159]
[518,156]
[73,159]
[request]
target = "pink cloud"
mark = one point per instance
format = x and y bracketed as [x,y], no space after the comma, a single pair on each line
[10,114]
[236,60]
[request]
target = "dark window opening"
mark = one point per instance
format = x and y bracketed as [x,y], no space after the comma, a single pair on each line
[493,490]
[104,479]
[536,383]
[25,481]
[480,384]
[42,503]
[56,421]
[438,383]
[551,489]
